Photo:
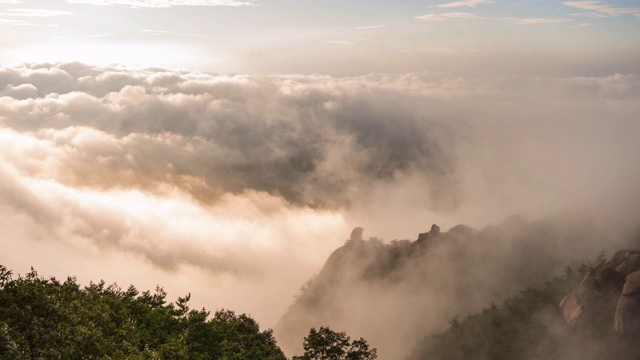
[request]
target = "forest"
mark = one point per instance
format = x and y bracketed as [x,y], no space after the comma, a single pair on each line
[51,319]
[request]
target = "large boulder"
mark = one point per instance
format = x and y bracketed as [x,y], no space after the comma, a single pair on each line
[627,315]
[625,261]
[588,306]
[608,297]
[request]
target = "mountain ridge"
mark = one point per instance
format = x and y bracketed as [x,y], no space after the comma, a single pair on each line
[392,293]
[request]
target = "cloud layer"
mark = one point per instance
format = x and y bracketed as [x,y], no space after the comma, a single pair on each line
[448,16]
[599,9]
[465,3]
[312,140]
[255,179]
[162,3]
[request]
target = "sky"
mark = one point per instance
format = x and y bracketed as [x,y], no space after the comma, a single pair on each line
[327,37]
[226,148]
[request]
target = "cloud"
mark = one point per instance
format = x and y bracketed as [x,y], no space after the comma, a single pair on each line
[339,42]
[157,31]
[38,13]
[369,27]
[324,142]
[448,16]
[313,141]
[22,91]
[165,32]
[8,21]
[23,23]
[168,229]
[100,35]
[30,13]
[465,3]
[253,180]
[162,3]
[601,8]
[581,25]
[442,50]
[536,21]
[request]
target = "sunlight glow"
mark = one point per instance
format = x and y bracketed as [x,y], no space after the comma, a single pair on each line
[132,54]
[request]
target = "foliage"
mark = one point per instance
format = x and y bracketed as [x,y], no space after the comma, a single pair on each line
[326,344]
[48,319]
[511,331]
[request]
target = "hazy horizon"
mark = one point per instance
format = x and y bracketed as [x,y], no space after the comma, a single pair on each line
[226,148]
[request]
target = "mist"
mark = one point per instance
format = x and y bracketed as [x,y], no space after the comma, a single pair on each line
[237,188]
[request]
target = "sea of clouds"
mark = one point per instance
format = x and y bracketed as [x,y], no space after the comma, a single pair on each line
[237,187]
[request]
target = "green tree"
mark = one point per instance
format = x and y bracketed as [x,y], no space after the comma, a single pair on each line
[48,319]
[326,344]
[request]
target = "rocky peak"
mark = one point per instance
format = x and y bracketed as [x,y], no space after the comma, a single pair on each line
[356,234]
[434,232]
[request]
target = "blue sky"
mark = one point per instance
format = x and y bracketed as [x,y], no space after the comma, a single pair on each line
[335,37]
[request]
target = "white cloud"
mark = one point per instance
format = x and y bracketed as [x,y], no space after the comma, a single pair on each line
[465,3]
[581,25]
[157,31]
[23,23]
[22,91]
[602,9]
[448,16]
[536,21]
[19,14]
[100,35]
[442,50]
[39,13]
[369,27]
[339,42]
[166,32]
[248,176]
[162,3]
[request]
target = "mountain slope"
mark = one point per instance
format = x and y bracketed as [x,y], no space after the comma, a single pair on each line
[392,293]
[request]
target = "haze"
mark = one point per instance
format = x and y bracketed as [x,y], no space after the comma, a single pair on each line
[226,148]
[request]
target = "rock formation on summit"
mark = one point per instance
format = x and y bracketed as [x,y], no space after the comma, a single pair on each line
[434,232]
[356,234]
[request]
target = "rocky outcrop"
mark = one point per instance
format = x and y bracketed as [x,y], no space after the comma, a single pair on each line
[625,261]
[627,317]
[587,306]
[608,297]
[356,234]
[434,232]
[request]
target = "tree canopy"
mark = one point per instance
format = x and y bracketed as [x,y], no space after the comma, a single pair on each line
[49,319]
[326,344]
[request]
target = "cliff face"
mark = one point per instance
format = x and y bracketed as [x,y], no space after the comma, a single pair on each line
[392,293]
